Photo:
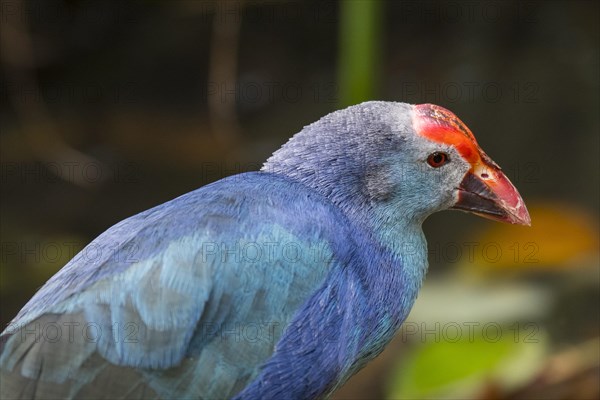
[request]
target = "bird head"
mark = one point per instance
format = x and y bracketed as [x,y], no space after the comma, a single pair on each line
[475,183]
[399,161]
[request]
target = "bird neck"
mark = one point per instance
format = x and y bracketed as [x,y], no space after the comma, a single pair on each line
[389,275]
[404,248]
[394,225]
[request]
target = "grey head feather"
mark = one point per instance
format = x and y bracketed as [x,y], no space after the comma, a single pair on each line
[344,155]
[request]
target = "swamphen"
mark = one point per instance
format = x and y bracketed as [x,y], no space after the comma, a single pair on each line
[277,284]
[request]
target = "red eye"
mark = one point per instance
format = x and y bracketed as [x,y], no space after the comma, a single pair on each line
[437,159]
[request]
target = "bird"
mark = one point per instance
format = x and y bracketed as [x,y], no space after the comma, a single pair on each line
[271,284]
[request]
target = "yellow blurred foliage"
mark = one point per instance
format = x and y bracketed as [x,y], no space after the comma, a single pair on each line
[561,236]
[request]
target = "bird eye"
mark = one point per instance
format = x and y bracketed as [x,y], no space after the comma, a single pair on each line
[437,159]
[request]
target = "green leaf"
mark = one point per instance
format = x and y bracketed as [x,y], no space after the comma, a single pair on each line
[461,369]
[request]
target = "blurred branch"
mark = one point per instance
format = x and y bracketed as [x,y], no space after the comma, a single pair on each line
[41,132]
[223,72]
[360,40]
[571,374]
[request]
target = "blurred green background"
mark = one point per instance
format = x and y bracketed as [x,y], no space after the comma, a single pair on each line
[109,108]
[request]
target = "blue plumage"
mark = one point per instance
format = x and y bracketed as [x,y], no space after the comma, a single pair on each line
[266,285]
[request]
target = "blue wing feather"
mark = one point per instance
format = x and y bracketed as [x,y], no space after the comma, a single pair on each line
[232,288]
[184,284]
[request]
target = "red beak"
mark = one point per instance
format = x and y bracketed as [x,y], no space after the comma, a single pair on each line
[487,192]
